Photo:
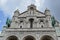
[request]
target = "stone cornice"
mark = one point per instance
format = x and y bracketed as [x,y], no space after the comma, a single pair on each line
[31,30]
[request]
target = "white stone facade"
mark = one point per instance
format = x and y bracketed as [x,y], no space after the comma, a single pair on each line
[30,25]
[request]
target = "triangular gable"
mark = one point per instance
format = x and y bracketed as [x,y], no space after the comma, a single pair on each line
[27,13]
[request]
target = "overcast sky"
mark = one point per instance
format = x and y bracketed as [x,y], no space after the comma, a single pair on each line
[7,8]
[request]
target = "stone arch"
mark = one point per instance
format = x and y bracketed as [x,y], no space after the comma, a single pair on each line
[29,38]
[46,37]
[12,38]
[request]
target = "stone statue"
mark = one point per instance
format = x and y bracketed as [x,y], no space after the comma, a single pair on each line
[53,21]
[8,22]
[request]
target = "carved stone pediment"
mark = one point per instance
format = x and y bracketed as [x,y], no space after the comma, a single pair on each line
[32,13]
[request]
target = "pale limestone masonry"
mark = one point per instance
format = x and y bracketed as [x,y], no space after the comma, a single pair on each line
[30,25]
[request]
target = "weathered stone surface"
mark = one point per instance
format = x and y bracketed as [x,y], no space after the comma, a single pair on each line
[31,24]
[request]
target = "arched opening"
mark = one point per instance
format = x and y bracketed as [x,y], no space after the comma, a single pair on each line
[46,37]
[31,8]
[41,20]
[31,22]
[12,38]
[29,38]
[20,26]
[42,26]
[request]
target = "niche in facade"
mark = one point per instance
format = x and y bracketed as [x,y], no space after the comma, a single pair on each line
[31,22]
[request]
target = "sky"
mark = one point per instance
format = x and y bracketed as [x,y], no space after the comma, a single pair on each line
[7,8]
